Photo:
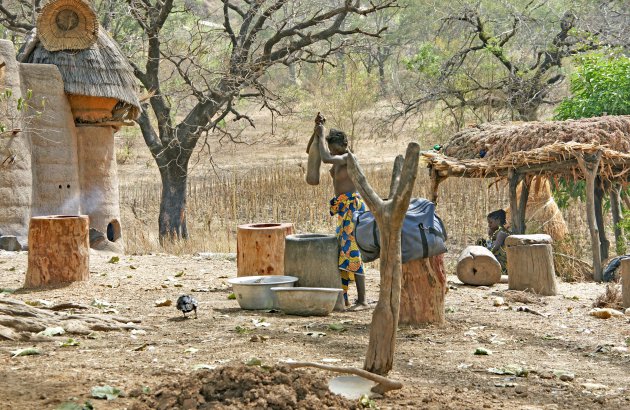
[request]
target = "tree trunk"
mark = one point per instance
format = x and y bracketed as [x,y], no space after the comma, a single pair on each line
[423,290]
[59,250]
[477,266]
[381,71]
[172,218]
[530,264]
[389,215]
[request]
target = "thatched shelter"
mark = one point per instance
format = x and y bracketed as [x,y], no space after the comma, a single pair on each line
[594,150]
[98,80]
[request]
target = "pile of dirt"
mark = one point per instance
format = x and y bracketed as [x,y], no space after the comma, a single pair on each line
[245,387]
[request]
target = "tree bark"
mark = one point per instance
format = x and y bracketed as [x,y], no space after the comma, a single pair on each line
[172,218]
[389,215]
[423,291]
[59,250]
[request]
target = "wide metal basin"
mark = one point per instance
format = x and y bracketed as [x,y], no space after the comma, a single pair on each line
[306,301]
[254,292]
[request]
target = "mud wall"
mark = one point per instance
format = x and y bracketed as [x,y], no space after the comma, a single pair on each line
[99,179]
[56,189]
[15,152]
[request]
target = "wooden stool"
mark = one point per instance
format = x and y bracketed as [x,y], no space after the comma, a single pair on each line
[477,266]
[530,264]
[422,292]
[260,248]
[59,250]
[625,281]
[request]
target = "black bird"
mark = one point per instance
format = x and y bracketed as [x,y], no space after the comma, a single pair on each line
[187,303]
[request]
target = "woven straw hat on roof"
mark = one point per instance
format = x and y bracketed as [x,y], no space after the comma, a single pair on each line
[67,25]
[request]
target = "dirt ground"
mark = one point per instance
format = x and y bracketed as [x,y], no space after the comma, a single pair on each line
[567,359]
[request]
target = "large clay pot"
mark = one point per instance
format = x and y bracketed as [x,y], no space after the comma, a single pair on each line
[260,248]
[314,259]
[59,250]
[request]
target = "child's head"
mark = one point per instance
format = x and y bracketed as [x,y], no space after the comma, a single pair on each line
[496,219]
[337,141]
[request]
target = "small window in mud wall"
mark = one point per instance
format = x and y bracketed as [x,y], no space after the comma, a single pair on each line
[113,231]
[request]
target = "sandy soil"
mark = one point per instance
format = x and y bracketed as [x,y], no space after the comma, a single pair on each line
[436,364]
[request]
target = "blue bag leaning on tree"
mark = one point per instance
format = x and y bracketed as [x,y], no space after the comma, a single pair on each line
[423,233]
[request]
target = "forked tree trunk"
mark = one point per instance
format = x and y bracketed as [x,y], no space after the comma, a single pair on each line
[389,215]
[172,218]
[423,290]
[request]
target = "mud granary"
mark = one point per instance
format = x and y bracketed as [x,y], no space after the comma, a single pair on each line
[61,101]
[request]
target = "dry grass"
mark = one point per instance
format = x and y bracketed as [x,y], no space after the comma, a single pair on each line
[219,202]
[265,183]
[611,298]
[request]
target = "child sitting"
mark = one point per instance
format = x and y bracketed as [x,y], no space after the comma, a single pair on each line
[497,233]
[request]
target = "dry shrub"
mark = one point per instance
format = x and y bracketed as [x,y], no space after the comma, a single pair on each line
[611,298]
[519,296]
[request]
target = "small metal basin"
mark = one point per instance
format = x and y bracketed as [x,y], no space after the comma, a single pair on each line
[306,301]
[254,292]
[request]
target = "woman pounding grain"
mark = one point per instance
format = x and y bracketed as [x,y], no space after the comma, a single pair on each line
[334,150]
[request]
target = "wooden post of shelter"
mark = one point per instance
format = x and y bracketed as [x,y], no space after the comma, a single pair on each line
[436,180]
[604,243]
[389,215]
[615,205]
[518,205]
[589,164]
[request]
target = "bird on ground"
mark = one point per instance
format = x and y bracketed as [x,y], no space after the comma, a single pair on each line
[187,303]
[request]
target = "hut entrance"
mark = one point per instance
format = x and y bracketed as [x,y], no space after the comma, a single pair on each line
[113,231]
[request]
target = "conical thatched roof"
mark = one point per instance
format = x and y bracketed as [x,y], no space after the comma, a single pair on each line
[98,71]
[494,141]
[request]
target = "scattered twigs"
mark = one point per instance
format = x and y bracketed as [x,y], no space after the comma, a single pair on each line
[529,310]
[384,384]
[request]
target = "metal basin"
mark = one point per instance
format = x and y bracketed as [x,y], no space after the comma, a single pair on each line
[254,292]
[306,301]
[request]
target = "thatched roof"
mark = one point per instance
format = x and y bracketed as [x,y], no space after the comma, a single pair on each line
[545,148]
[502,138]
[98,71]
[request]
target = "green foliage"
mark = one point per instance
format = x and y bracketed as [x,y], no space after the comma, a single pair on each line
[566,190]
[426,61]
[600,85]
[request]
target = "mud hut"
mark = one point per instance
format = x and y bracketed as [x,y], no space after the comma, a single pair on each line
[593,149]
[99,86]
[83,91]
[15,153]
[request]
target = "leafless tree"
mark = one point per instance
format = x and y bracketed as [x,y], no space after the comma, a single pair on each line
[509,58]
[199,69]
